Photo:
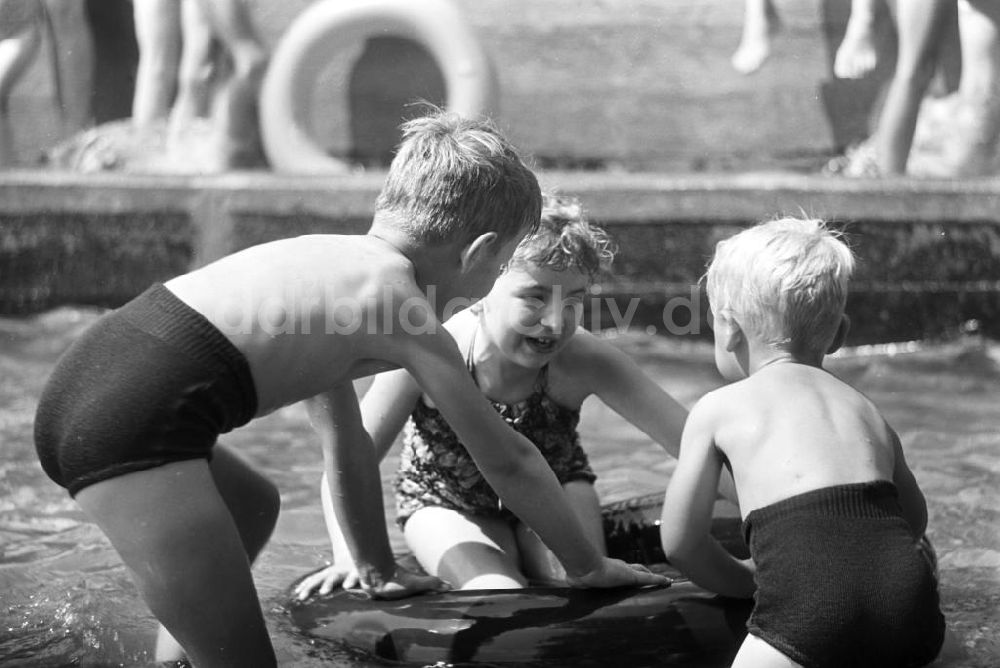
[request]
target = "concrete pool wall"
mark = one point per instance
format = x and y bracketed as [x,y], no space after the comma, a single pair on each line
[929,251]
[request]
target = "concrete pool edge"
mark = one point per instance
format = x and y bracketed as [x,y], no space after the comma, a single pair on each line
[639,195]
[99,238]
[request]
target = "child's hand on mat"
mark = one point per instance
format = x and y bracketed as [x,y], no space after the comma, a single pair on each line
[616,573]
[326,580]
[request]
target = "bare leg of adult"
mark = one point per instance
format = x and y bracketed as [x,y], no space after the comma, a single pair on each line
[856,56]
[919,24]
[174,531]
[760,23]
[158,33]
[979,91]
[16,53]
[75,45]
[948,70]
[236,112]
[194,85]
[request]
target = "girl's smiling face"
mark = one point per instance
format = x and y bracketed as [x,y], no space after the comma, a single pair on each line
[532,312]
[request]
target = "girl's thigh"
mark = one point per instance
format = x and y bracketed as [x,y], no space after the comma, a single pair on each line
[468,552]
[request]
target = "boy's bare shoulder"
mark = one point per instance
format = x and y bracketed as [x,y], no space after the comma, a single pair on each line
[715,400]
[727,403]
[375,272]
[339,260]
[364,253]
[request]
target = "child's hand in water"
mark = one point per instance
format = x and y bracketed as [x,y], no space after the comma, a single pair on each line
[403,583]
[616,573]
[326,580]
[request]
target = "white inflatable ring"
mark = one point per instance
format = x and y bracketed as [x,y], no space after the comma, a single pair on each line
[312,37]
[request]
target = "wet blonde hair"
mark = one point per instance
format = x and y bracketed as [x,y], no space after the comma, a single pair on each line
[565,239]
[783,280]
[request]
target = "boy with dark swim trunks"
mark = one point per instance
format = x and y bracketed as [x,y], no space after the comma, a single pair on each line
[129,418]
[832,514]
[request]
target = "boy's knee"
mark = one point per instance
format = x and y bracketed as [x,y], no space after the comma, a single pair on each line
[270,505]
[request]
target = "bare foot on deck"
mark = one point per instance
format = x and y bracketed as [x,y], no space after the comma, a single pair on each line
[856,56]
[760,24]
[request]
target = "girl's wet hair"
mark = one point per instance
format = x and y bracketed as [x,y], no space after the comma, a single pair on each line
[784,280]
[454,179]
[566,240]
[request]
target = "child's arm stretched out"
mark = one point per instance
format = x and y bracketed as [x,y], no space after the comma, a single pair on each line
[619,382]
[687,511]
[352,460]
[384,410]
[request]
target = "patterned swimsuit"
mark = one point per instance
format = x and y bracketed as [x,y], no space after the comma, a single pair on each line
[435,469]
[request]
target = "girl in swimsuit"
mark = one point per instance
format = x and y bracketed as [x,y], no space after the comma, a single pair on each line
[527,352]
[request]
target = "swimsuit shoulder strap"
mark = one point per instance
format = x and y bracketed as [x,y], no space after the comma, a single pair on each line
[470,363]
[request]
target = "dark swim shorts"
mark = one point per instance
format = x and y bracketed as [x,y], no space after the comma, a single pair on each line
[841,580]
[150,383]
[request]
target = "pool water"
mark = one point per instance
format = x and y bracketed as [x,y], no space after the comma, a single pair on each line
[65,599]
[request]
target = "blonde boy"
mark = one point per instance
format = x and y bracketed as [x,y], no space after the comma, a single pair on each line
[832,514]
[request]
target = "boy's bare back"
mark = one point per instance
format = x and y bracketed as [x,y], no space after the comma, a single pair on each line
[791,428]
[311,311]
